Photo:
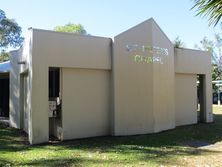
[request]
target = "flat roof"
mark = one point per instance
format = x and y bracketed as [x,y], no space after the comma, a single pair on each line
[5,67]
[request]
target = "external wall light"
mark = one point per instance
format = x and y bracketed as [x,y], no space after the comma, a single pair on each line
[22,62]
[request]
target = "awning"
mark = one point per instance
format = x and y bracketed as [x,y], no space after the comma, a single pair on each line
[5,67]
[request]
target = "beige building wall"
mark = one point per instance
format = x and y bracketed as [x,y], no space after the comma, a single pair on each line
[14,114]
[188,61]
[143,91]
[18,112]
[186,99]
[65,50]
[132,83]
[163,83]
[106,85]
[86,103]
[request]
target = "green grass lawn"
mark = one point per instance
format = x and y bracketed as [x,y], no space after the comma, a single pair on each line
[167,148]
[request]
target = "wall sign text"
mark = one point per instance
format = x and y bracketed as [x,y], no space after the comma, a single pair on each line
[150,54]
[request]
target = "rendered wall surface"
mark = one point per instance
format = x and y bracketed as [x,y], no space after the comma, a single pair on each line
[163,82]
[133,83]
[53,49]
[188,61]
[17,110]
[126,87]
[14,117]
[86,103]
[72,50]
[186,99]
[192,61]
[144,87]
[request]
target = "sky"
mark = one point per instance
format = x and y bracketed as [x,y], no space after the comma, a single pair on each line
[108,18]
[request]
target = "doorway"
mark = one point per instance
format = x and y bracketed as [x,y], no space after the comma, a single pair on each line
[55,103]
[4,95]
[201,101]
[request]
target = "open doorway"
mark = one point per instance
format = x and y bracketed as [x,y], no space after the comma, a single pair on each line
[201,102]
[4,95]
[55,103]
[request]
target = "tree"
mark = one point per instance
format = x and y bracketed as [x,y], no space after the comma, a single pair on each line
[209,8]
[4,56]
[178,42]
[72,28]
[10,35]
[214,47]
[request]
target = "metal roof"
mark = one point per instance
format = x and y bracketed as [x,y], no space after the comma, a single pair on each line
[5,67]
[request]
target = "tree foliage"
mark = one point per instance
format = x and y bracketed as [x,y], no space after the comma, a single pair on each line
[10,32]
[209,8]
[214,47]
[72,28]
[178,43]
[10,35]
[4,56]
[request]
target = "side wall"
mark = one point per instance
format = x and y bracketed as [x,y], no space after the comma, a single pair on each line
[71,53]
[163,83]
[143,77]
[186,99]
[17,109]
[133,82]
[189,61]
[14,117]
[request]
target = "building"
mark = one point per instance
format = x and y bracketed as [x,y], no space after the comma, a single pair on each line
[77,86]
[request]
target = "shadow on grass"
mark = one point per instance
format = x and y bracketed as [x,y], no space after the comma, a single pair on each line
[76,161]
[65,162]
[131,154]
[162,147]
[12,140]
[4,163]
[210,133]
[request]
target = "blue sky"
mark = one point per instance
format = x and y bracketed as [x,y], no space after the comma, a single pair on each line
[110,17]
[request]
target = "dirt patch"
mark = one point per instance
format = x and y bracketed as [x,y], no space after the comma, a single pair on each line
[208,154]
[200,144]
[213,147]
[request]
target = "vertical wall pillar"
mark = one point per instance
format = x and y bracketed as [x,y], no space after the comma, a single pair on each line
[14,84]
[208,97]
[202,99]
[205,99]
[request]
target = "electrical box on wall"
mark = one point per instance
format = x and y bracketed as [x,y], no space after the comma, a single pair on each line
[52,108]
